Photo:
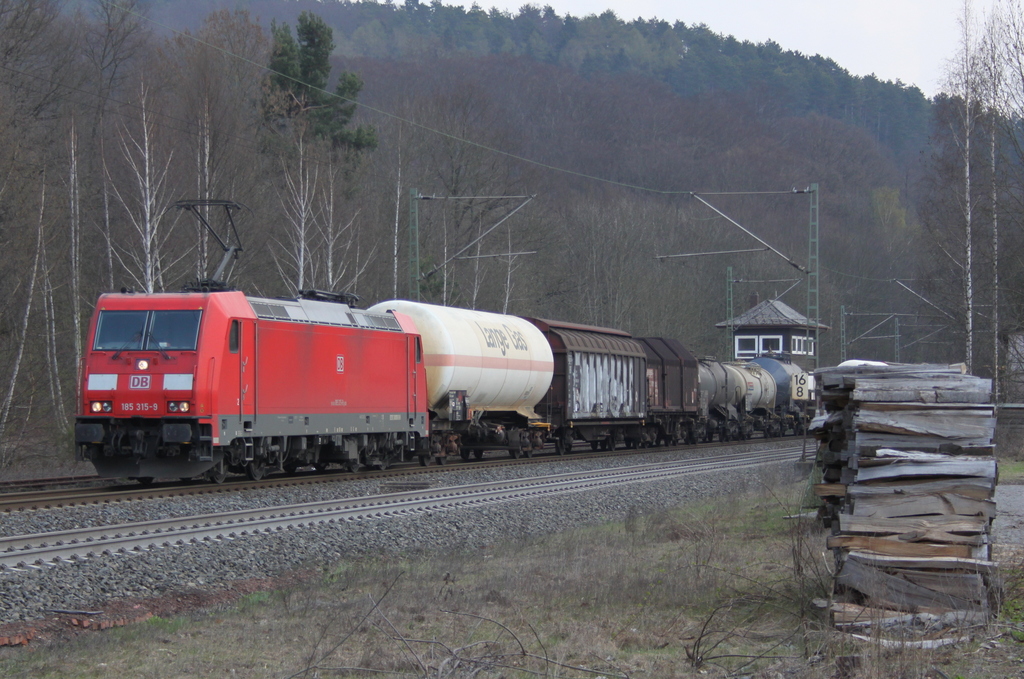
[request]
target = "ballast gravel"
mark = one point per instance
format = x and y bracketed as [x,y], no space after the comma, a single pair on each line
[30,593]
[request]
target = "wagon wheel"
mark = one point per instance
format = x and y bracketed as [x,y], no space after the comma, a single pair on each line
[563,444]
[424,460]
[478,454]
[516,440]
[594,445]
[217,473]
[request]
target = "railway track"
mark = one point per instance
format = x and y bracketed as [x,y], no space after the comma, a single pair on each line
[28,551]
[51,498]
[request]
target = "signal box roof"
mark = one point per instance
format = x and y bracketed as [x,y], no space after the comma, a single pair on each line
[771,313]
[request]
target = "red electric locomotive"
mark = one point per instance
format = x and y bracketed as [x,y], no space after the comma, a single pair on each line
[212,381]
[182,384]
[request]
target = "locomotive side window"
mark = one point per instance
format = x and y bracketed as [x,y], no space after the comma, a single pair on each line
[120,330]
[233,343]
[419,351]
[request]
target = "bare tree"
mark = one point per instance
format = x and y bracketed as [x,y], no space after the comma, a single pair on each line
[964,82]
[5,406]
[300,174]
[146,205]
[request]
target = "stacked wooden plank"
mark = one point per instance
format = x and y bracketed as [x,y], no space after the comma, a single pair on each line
[909,475]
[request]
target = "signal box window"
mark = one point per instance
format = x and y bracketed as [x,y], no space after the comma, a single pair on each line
[233,343]
[746,347]
[771,344]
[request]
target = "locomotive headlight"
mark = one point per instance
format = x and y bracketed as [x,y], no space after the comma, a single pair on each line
[96,407]
[101,406]
[178,406]
[142,364]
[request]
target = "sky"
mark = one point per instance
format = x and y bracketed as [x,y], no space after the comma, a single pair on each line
[908,40]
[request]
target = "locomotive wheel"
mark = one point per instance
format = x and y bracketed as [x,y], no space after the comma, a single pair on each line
[424,460]
[217,473]
[256,469]
[290,468]
[442,460]
[514,452]
[528,451]
[143,480]
[464,454]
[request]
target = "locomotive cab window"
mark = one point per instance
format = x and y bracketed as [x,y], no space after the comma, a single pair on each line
[120,330]
[165,330]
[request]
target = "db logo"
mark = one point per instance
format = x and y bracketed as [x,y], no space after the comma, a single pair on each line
[139,382]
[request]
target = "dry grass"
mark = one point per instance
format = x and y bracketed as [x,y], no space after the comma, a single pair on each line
[710,591]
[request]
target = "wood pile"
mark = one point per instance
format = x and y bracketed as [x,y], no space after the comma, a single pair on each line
[909,473]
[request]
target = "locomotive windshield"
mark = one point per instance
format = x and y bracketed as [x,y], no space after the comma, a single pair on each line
[165,330]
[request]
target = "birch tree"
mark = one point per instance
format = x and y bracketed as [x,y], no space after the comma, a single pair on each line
[145,205]
[964,84]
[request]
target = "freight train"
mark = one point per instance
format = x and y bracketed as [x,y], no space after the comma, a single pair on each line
[212,381]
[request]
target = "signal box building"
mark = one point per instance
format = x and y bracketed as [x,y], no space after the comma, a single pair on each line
[773,328]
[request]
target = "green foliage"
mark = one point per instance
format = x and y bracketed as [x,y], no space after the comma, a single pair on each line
[299,100]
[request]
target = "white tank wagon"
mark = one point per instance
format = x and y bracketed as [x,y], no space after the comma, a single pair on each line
[485,374]
[761,391]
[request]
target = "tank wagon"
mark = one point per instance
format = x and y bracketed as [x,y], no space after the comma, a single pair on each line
[788,414]
[485,374]
[183,384]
